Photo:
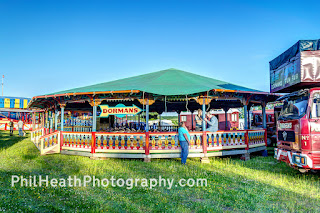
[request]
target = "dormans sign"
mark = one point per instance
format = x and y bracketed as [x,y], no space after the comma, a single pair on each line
[120,110]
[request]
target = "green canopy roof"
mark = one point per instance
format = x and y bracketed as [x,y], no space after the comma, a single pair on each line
[165,82]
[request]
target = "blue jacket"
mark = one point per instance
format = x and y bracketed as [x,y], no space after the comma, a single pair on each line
[213,124]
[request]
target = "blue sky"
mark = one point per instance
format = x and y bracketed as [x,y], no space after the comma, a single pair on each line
[48,46]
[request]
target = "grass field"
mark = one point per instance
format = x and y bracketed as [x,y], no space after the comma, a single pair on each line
[261,184]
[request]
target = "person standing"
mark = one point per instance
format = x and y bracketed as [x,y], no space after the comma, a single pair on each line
[11,127]
[212,122]
[184,139]
[198,119]
[20,126]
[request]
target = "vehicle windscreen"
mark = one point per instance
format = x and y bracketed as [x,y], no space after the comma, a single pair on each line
[294,107]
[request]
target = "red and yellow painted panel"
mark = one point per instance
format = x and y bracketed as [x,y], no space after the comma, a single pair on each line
[114,141]
[77,140]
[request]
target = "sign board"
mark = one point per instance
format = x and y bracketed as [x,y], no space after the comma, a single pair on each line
[120,110]
[286,75]
[300,72]
[14,102]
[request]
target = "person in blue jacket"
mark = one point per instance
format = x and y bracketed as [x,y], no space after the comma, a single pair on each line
[212,122]
[184,139]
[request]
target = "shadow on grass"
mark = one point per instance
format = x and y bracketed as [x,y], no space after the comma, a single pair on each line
[7,141]
[256,193]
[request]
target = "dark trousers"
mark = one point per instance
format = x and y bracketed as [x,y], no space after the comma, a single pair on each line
[184,151]
[11,130]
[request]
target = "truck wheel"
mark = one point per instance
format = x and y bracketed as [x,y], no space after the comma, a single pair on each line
[269,141]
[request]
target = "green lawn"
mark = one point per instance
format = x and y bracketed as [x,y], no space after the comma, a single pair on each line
[261,184]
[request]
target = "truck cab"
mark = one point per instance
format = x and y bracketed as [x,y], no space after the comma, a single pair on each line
[297,73]
[298,130]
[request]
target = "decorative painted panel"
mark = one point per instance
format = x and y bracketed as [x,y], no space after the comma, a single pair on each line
[50,140]
[77,140]
[170,141]
[256,137]
[228,138]
[114,141]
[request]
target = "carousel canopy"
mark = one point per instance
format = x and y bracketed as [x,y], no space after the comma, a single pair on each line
[170,90]
[165,82]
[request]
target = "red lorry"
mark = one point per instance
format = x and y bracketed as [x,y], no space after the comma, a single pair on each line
[298,127]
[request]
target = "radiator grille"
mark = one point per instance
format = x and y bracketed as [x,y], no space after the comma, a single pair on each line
[286,136]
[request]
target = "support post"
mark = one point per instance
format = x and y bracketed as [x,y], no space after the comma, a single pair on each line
[247,139]
[93,144]
[249,120]
[264,126]
[62,115]
[203,115]
[226,117]
[147,116]
[51,122]
[191,120]
[246,156]
[43,122]
[160,122]
[61,140]
[94,119]
[94,103]
[147,151]
[264,117]
[47,119]
[56,120]
[33,121]
[205,158]
[245,115]
[265,152]
[39,120]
